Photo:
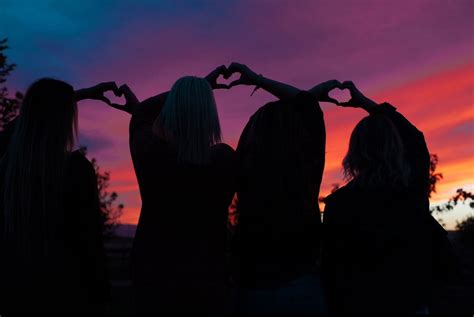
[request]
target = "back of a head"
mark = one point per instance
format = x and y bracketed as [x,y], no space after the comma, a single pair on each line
[189,120]
[34,165]
[279,166]
[376,155]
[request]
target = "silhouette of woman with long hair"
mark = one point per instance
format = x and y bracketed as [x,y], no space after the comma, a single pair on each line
[281,160]
[185,175]
[50,235]
[380,244]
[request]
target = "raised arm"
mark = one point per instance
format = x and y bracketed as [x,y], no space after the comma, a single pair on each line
[249,77]
[97,92]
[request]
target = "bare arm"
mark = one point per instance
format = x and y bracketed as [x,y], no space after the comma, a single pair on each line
[276,88]
[97,92]
[279,89]
[249,77]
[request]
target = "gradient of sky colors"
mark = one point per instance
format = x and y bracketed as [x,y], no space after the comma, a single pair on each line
[415,54]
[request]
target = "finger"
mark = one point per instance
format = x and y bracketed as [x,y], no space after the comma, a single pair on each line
[234,68]
[230,70]
[117,106]
[111,85]
[221,69]
[128,93]
[104,99]
[214,74]
[227,73]
[349,84]
[126,90]
[333,83]
[355,92]
[221,86]
[117,91]
[349,103]
[236,83]
[337,84]
[331,100]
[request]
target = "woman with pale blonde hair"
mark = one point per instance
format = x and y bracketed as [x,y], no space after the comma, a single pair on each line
[185,177]
[189,119]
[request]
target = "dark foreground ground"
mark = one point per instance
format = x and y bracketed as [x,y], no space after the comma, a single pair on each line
[456,298]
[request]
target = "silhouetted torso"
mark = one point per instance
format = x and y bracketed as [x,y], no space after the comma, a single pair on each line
[379,245]
[72,276]
[281,161]
[178,258]
[377,251]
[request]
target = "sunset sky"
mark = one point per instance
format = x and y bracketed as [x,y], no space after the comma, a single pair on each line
[417,55]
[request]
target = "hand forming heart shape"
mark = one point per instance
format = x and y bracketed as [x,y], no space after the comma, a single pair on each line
[97,92]
[131,101]
[212,77]
[247,77]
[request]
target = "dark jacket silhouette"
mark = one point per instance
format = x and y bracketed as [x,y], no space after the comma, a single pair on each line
[72,277]
[281,161]
[178,257]
[382,247]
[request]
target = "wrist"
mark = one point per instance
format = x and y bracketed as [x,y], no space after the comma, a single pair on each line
[258,83]
[369,105]
[80,94]
[258,80]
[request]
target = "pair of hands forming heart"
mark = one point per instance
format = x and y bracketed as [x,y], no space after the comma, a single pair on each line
[321,91]
[247,77]
[97,92]
[357,98]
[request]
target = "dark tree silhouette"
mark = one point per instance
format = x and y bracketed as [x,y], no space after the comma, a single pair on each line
[110,210]
[461,196]
[466,230]
[9,106]
[466,226]
[434,177]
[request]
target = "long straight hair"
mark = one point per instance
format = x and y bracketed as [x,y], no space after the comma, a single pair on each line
[376,155]
[34,166]
[189,120]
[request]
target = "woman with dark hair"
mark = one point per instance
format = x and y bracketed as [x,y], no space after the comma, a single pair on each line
[281,160]
[50,232]
[185,175]
[381,243]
